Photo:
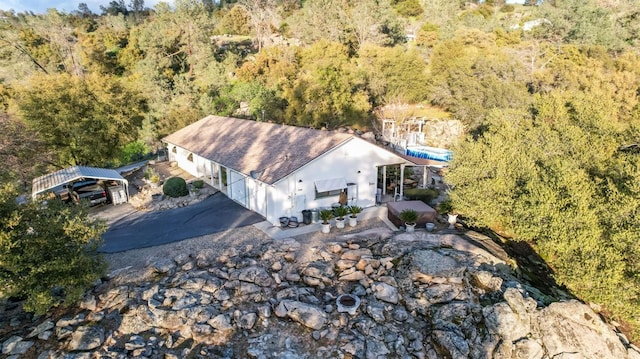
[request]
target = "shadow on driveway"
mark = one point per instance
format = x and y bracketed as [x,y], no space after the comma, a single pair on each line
[147,229]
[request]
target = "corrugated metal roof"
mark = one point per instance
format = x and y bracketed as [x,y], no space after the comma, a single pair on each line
[52,180]
[267,150]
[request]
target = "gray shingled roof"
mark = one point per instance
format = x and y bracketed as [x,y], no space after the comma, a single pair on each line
[273,151]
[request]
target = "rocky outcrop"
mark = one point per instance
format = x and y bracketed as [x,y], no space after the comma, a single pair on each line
[420,296]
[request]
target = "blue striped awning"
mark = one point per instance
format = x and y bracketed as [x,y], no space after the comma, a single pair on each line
[430,153]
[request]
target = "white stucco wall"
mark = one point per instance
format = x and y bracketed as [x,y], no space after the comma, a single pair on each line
[356,161]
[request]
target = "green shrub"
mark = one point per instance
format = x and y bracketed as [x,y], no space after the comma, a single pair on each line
[507,8]
[421,194]
[151,174]
[197,184]
[175,187]
[134,151]
[409,8]
[445,207]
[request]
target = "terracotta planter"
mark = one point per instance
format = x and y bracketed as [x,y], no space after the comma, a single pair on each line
[339,222]
[326,228]
[353,221]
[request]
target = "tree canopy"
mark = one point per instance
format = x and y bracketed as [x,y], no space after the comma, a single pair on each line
[47,252]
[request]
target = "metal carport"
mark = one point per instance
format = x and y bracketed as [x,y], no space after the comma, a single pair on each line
[67,175]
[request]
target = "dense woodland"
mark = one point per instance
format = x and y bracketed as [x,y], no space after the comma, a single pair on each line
[548,94]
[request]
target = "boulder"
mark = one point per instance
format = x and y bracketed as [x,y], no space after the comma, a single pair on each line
[385,292]
[15,346]
[573,327]
[86,338]
[303,313]
[257,275]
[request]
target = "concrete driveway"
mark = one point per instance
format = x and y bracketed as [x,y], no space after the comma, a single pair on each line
[147,229]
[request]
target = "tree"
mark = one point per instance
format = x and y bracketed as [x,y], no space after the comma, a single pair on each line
[581,23]
[371,22]
[393,74]
[273,67]
[84,121]
[560,181]
[235,21]
[472,76]
[115,8]
[84,11]
[101,50]
[327,91]
[48,253]
[320,19]
[352,23]
[264,18]
[22,153]
[172,62]
[408,7]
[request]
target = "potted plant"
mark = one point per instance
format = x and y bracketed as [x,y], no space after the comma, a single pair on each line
[353,218]
[452,219]
[340,213]
[409,217]
[325,216]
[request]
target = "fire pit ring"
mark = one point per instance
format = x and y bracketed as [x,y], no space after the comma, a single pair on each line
[347,303]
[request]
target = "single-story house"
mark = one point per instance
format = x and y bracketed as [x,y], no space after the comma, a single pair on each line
[279,170]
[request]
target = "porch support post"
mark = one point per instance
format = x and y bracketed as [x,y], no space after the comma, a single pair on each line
[384,180]
[402,180]
[219,178]
[211,172]
[425,175]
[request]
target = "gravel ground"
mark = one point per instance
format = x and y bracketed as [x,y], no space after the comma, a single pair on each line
[238,238]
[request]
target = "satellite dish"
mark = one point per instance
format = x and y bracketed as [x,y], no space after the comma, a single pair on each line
[255,174]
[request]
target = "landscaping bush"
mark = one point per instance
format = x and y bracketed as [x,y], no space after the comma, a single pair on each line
[175,187]
[421,194]
[197,184]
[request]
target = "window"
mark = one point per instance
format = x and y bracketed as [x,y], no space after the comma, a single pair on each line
[190,157]
[332,193]
[330,187]
[174,150]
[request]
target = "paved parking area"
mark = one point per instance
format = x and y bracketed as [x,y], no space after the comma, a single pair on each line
[131,230]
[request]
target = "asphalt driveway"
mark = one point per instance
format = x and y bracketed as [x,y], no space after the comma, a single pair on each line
[147,229]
